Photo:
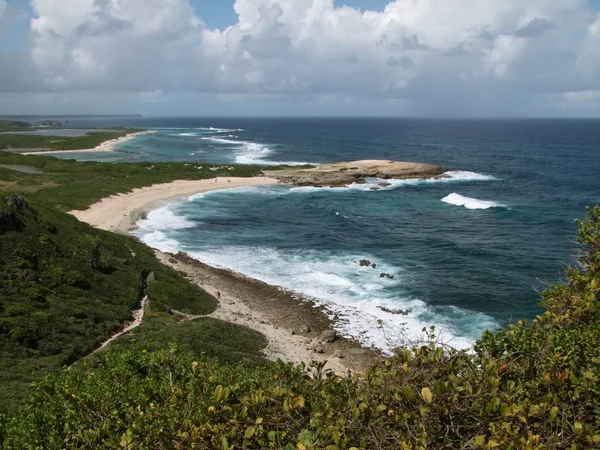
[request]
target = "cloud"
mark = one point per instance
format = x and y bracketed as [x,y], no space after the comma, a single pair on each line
[426,55]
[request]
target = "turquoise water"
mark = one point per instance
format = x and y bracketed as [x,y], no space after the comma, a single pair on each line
[467,254]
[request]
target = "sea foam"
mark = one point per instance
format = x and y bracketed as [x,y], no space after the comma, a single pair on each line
[379,184]
[352,295]
[471,203]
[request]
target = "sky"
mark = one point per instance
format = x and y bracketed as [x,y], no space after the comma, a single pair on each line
[424,58]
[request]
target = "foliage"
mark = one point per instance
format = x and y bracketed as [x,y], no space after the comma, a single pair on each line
[89,140]
[533,386]
[69,184]
[205,337]
[65,287]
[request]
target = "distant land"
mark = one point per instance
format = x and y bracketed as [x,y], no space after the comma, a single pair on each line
[67,116]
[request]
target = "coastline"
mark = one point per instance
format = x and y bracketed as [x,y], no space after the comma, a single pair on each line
[106,146]
[119,212]
[292,325]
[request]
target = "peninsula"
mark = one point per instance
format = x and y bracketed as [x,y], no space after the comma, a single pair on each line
[347,172]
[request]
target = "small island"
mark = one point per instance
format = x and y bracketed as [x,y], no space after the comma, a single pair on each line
[347,172]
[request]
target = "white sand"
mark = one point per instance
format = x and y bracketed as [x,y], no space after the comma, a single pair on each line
[106,146]
[117,212]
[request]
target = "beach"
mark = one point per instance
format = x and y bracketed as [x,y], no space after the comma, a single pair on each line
[295,329]
[106,146]
[120,212]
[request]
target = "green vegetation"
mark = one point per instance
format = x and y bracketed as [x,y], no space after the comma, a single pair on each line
[205,337]
[68,184]
[90,140]
[56,303]
[533,386]
[65,287]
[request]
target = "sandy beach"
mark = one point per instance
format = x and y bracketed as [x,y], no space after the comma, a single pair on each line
[120,212]
[295,329]
[106,146]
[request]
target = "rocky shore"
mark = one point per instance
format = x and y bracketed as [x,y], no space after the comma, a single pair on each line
[345,173]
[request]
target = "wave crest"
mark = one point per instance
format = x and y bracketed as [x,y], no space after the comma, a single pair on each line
[471,203]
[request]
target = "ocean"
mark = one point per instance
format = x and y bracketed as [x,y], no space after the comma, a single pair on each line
[467,253]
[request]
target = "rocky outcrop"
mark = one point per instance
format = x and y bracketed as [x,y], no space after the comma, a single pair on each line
[366,263]
[345,173]
[403,312]
[9,220]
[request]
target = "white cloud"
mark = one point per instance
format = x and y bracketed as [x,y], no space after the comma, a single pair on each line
[468,56]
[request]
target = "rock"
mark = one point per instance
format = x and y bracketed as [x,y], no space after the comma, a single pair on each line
[344,173]
[319,349]
[305,329]
[364,262]
[338,354]
[328,336]
[14,201]
[394,311]
[8,217]
[8,221]
[386,275]
[373,265]
[150,278]
[293,332]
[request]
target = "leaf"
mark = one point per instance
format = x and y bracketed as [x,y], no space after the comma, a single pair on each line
[492,444]
[427,395]
[578,428]
[300,446]
[259,420]
[218,393]
[480,440]
[249,432]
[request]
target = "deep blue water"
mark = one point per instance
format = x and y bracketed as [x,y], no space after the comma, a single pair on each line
[460,269]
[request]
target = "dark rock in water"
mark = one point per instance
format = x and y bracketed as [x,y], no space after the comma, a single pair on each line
[386,275]
[374,188]
[373,265]
[364,262]
[394,311]
[385,184]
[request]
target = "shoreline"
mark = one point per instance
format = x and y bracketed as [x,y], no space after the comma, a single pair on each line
[293,326]
[106,146]
[120,212]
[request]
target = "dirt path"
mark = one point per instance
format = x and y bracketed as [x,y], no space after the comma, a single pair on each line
[138,316]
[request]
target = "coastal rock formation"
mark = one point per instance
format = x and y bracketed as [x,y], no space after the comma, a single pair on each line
[403,312]
[328,336]
[345,173]
[366,263]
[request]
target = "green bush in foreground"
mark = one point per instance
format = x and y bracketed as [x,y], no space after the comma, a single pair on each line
[533,386]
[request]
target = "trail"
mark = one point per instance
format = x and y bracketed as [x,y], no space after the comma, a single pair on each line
[138,316]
